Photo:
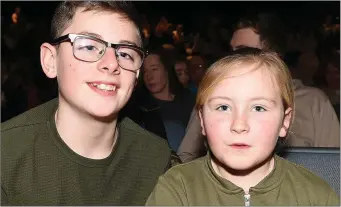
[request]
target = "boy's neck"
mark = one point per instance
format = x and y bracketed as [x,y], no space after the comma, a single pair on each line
[85,135]
[245,180]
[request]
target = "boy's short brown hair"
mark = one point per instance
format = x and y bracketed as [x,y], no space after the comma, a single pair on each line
[66,10]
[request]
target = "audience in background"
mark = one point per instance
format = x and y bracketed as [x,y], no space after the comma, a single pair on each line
[197,65]
[181,71]
[315,121]
[160,104]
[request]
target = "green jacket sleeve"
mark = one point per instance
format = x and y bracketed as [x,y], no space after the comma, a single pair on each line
[4,198]
[333,199]
[166,194]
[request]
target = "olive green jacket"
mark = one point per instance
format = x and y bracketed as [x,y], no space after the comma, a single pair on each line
[196,184]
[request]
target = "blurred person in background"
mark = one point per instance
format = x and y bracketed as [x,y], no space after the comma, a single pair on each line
[315,121]
[197,65]
[328,77]
[308,62]
[181,71]
[160,104]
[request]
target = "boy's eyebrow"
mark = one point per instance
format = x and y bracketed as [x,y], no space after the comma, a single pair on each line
[91,34]
[100,37]
[127,42]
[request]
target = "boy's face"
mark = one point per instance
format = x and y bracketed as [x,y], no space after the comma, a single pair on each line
[245,38]
[242,126]
[76,77]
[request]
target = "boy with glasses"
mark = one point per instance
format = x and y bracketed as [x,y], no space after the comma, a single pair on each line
[74,150]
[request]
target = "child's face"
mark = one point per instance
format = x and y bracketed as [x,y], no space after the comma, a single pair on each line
[75,77]
[242,119]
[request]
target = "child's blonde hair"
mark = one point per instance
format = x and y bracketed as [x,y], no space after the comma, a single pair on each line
[247,57]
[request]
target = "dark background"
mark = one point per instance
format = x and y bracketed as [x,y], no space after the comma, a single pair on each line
[189,12]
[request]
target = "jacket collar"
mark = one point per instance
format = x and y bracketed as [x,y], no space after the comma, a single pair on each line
[270,182]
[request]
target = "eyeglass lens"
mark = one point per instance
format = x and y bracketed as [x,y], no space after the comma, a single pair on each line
[91,50]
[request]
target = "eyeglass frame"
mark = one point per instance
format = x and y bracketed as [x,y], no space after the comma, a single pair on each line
[71,37]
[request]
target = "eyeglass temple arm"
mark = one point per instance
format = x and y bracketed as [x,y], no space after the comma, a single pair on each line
[59,39]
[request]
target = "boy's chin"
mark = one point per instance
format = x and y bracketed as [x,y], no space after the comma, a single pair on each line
[104,116]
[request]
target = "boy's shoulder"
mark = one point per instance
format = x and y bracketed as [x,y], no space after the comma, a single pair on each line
[19,134]
[36,116]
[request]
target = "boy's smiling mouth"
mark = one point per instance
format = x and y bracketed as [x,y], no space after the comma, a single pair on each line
[104,88]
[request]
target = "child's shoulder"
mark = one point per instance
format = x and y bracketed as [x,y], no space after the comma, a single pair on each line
[185,171]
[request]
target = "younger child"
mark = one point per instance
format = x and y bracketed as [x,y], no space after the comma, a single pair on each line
[245,104]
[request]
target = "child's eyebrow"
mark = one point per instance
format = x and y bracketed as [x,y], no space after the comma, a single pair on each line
[259,98]
[219,97]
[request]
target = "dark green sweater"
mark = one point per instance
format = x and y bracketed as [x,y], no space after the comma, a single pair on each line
[38,168]
[196,184]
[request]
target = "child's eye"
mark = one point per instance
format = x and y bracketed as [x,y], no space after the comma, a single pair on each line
[223,108]
[258,109]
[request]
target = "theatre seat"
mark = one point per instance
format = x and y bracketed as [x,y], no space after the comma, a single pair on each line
[324,162]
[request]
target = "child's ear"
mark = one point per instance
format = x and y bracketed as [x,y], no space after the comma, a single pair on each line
[48,56]
[286,122]
[203,131]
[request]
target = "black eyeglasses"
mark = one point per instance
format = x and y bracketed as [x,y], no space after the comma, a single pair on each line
[91,49]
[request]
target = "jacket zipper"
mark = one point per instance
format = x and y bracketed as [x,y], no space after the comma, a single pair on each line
[247,199]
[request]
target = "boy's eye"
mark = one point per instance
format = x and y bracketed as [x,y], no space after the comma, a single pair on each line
[125,55]
[223,108]
[259,109]
[88,48]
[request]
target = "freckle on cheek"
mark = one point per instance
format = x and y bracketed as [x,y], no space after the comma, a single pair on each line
[70,67]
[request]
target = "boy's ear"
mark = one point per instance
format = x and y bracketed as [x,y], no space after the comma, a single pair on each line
[48,56]
[203,131]
[286,122]
[137,74]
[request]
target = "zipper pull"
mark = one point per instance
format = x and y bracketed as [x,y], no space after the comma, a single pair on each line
[247,199]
